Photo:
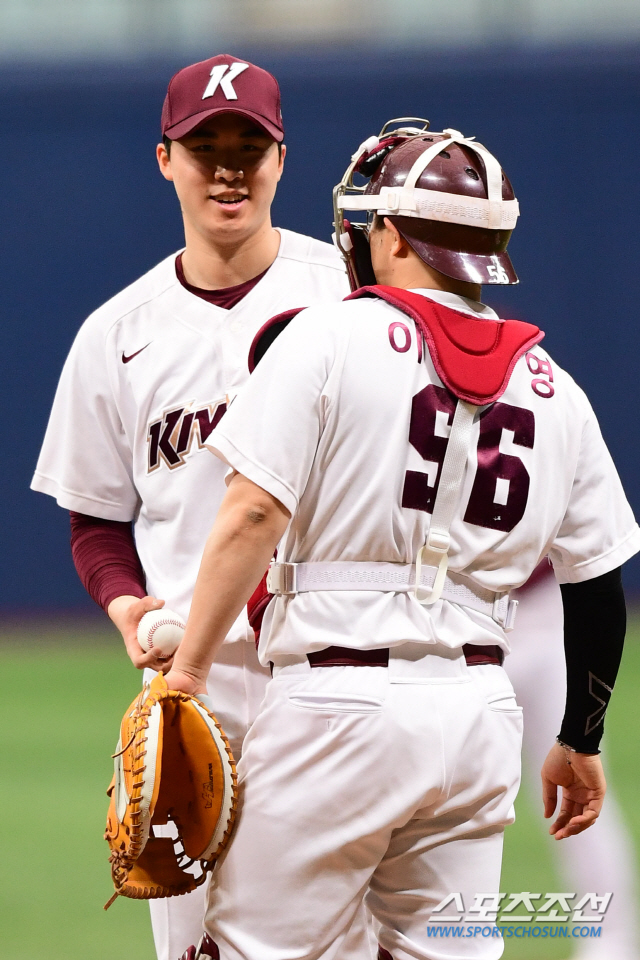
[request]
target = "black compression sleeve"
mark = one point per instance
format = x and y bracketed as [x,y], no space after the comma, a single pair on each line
[595,621]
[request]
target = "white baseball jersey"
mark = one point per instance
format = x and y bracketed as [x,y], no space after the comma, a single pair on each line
[343,425]
[148,377]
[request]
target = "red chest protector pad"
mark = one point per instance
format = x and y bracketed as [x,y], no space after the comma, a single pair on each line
[473,358]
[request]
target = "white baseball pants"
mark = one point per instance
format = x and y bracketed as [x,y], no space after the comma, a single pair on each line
[391,783]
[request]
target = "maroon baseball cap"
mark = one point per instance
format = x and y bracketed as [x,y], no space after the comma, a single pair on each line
[222,84]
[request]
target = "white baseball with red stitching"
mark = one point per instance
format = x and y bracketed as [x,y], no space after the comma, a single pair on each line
[161,631]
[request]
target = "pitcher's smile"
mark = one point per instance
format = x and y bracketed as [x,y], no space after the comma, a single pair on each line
[233,162]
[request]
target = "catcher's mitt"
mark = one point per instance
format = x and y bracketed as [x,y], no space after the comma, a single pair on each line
[172,763]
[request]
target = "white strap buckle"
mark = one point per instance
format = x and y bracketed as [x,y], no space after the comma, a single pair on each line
[504,612]
[441,561]
[510,619]
[438,541]
[282,579]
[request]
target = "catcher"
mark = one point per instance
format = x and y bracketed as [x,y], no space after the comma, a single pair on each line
[413,457]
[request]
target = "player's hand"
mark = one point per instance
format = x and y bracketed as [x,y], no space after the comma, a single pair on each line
[583,789]
[179,680]
[126,613]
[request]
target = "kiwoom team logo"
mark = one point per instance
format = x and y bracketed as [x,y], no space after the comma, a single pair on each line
[223,79]
[170,439]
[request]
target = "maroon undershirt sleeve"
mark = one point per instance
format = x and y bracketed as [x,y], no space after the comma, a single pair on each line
[105,556]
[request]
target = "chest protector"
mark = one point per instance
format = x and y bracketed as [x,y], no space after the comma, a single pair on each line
[473,358]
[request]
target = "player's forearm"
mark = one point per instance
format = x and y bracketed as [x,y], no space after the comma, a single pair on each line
[241,543]
[594,631]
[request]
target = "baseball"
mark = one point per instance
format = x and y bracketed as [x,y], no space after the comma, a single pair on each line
[161,631]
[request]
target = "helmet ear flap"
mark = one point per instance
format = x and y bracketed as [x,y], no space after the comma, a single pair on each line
[358,257]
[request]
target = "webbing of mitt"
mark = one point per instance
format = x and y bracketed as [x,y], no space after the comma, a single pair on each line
[173,764]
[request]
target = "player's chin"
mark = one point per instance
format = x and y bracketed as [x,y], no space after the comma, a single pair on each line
[228,212]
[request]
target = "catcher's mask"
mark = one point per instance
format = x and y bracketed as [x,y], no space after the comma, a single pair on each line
[446,195]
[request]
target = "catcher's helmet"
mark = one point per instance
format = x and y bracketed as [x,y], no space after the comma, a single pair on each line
[446,194]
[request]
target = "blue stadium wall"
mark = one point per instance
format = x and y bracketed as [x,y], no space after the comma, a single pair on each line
[83,212]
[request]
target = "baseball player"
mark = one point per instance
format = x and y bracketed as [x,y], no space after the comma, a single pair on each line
[414,457]
[152,372]
[598,860]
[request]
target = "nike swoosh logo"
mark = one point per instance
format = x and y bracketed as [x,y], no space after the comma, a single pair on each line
[126,359]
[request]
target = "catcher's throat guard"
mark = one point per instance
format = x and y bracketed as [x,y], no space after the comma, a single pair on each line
[446,194]
[173,764]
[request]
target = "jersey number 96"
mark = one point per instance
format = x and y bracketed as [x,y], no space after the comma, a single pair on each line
[501,486]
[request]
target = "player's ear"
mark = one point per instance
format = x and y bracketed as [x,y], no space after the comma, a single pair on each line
[164,161]
[399,245]
[282,150]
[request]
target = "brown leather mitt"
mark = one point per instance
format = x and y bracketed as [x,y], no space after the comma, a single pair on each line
[173,764]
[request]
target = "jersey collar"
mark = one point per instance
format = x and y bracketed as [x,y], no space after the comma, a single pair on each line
[455,302]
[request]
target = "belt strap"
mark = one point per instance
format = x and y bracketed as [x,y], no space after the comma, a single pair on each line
[288,579]
[353,657]
[347,657]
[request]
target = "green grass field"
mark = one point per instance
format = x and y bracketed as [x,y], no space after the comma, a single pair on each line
[64,697]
